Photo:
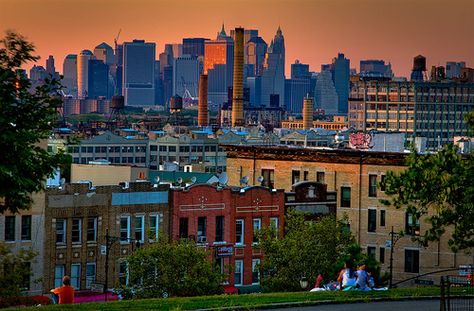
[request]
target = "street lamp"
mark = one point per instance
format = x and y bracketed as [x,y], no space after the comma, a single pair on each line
[304,282]
[394,237]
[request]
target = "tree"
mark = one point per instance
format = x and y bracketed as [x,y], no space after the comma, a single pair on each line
[440,188]
[306,250]
[172,269]
[26,121]
[15,271]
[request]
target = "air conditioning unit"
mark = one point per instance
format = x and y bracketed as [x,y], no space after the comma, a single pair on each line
[202,239]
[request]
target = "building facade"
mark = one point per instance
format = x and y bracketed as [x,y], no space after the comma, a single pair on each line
[354,176]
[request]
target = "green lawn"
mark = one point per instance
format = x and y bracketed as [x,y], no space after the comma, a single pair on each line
[250,301]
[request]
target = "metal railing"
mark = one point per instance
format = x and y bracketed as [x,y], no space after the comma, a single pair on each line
[457,293]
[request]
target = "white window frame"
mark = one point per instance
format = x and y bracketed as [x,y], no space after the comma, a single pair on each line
[255,221]
[255,262]
[90,278]
[239,263]
[58,275]
[274,223]
[94,227]
[122,274]
[156,227]
[242,237]
[142,228]
[127,240]
[64,231]
[76,279]
[80,230]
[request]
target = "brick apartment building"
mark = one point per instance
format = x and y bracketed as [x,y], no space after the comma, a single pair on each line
[224,220]
[353,176]
[77,219]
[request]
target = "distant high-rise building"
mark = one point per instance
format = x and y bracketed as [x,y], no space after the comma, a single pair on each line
[298,87]
[139,73]
[83,73]
[98,79]
[300,71]
[177,50]
[194,47]
[373,68]
[70,75]
[105,53]
[238,79]
[341,67]
[325,94]
[166,58]
[38,73]
[219,66]
[273,77]
[186,76]
[453,69]
[116,70]
[167,83]
[50,69]
[254,56]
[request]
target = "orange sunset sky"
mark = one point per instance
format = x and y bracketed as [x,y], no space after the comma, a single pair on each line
[315,30]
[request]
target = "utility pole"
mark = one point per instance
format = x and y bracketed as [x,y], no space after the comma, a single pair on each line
[394,237]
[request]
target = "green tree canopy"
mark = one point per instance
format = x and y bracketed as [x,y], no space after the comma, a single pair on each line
[26,122]
[174,269]
[308,248]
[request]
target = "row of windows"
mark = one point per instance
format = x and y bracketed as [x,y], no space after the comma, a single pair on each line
[239,272]
[76,230]
[164,148]
[138,228]
[202,230]
[75,274]
[412,224]
[84,160]
[10,228]
[105,149]
[412,258]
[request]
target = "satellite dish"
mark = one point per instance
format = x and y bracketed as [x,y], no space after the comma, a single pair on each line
[244,180]
[157,179]
[179,180]
[223,179]
[260,179]
[193,179]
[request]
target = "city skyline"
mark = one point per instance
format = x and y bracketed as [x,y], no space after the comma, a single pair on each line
[315,31]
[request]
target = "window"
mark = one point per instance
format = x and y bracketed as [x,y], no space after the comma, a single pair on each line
[26,227]
[90,274]
[26,277]
[257,225]
[76,275]
[371,250]
[345,196]
[412,260]
[61,231]
[295,177]
[274,225]
[412,224]
[76,230]
[201,229]
[239,269]
[305,175]
[372,186]
[268,178]
[9,228]
[140,228]
[382,255]
[58,275]
[183,228]
[219,228]
[382,218]
[239,231]
[372,221]
[320,177]
[92,229]
[123,273]
[382,186]
[124,229]
[255,271]
[154,227]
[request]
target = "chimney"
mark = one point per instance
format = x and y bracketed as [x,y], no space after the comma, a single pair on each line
[238,86]
[307,113]
[203,112]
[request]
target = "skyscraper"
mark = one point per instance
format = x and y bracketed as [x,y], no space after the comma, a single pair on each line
[340,68]
[186,76]
[105,53]
[238,81]
[273,77]
[325,94]
[70,75]
[50,69]
[298,87]
[219,66]
[83,73]
[139,73]
[98,78]
[254,56]
[194,46]
[375,69]
[453,69]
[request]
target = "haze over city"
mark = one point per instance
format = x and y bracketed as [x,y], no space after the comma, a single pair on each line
[315,31]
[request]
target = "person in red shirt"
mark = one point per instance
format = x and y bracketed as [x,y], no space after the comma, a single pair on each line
[65,292]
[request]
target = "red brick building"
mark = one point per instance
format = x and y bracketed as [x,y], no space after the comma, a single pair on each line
[225,220]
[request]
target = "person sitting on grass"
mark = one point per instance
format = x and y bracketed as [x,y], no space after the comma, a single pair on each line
[345,277]
[65,292]
[362,279]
